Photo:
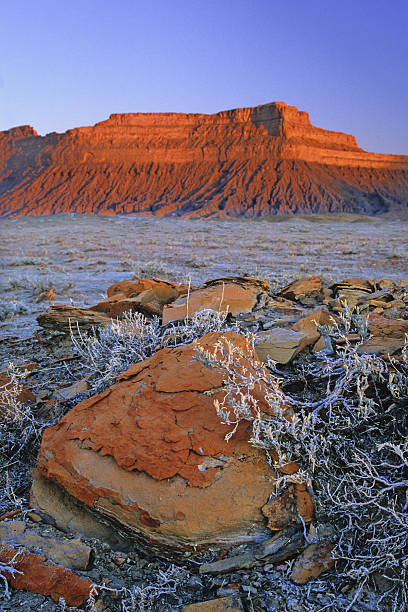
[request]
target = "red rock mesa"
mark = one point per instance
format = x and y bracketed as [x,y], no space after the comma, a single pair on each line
[245,162]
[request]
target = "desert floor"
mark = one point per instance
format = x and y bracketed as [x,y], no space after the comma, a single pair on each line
[79,256]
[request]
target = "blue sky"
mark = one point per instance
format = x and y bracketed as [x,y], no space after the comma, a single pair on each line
[66,64]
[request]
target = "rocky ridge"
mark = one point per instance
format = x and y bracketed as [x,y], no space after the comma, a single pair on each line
[248,162]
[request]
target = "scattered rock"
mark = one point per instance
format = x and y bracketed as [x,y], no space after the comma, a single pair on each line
[303,290]
[222,604]
[65,318]
[147,296]
[280,344]
[72,554]
[283,545]
[25,396]
[77,388]
[312,562]
[284,509]
[37,574]
[387,336]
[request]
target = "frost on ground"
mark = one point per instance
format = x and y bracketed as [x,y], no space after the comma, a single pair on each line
[348,434]
[79,256]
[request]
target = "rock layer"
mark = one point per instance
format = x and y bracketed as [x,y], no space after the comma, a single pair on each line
[250,161]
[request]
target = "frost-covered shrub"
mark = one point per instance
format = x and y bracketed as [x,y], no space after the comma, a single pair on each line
[109,351]
[20,434]
[349,435]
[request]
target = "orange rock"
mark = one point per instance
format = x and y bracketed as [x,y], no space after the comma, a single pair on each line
[44,577]
[150,453]
[388,336]
[312,562]
[238,295]
[304,288]
[283,510]
[222,604]
[304,502]
[25,396]
[144,295]
[248,161]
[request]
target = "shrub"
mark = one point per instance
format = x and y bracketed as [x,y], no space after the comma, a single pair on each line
[348,434]
[107,352]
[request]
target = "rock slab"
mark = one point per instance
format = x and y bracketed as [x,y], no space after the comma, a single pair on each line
[150,456]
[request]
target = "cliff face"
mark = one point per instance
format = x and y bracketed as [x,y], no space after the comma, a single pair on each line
[249,161]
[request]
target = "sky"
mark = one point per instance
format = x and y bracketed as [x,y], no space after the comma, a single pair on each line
[67,64]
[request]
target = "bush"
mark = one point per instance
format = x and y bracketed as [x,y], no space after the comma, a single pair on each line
[348,434]
[109,351]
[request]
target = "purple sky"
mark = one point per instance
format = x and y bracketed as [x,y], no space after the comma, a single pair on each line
[66,64]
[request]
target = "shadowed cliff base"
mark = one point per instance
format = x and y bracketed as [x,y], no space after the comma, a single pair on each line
[248,162]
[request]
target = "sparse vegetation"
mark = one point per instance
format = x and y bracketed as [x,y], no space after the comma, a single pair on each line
[20,435]
[109,351]
[348,434]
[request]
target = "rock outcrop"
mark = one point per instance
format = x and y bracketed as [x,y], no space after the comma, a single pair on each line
[150,455]
[245,162]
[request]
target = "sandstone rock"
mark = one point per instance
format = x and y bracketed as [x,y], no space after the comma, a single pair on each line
[312,562]
[222,604]
[65,318]
[56,506]
[244,162]
[308,325]
[381,345]
[280,344]
[147,296]
[72,554]
[238,295]
[38,575]
[303,290]
[77,388]
[387,336]
[283,510]
[149,454]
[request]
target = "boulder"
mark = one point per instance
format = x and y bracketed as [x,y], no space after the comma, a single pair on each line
[303,290]
[149,455]
[147,296]
[238,295]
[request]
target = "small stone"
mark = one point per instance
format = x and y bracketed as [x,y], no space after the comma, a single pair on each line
[223,604]
[38,575]
[307,287]
[312,562]
[279,344]
[72,554]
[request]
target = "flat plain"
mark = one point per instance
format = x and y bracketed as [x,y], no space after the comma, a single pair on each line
[79,256]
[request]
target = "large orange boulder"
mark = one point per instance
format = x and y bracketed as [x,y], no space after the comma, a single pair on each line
[149,454]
